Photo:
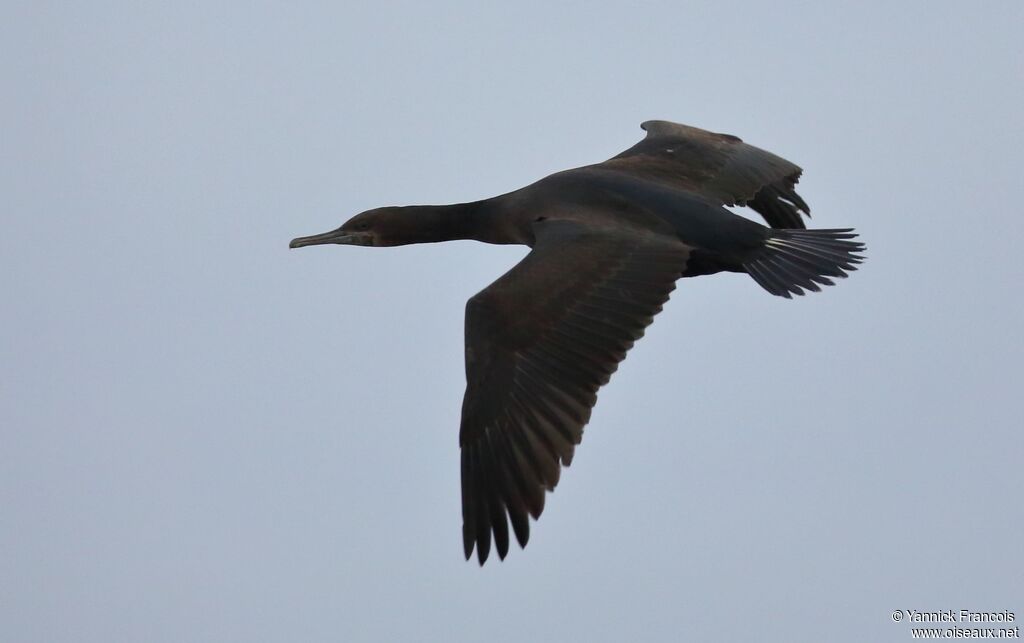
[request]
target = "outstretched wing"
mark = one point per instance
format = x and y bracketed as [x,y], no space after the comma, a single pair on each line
[719,167]
[540,342]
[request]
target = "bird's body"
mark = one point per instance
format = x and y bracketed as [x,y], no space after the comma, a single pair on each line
[608,243]
[597,196]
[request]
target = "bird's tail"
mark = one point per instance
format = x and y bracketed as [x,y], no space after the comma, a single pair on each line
[794,260]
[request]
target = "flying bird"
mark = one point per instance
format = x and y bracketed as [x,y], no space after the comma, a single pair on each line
[608,242]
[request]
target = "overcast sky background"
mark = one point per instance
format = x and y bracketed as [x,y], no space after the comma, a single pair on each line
[205,436]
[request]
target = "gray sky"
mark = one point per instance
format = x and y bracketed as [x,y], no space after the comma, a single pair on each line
[207,437]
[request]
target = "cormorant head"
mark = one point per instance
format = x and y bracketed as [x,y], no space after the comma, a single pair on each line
[375,227]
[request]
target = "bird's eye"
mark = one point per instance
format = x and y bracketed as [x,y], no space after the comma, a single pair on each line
[362,225]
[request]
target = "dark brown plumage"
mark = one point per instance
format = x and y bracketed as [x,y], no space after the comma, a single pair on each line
[608,243]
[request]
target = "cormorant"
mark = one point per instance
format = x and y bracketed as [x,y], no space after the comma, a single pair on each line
[608,243]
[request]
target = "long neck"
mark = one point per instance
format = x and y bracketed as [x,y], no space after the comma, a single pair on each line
[478,220]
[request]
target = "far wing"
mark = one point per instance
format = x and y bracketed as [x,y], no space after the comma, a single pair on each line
[719,167]
[540,342]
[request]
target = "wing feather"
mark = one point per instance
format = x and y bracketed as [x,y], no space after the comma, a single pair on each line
[719,167]
[540,342]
